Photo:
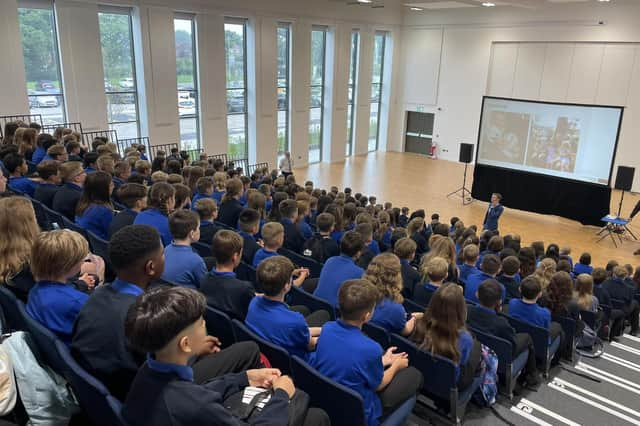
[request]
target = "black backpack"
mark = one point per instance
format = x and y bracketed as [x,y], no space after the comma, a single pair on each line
[314,248]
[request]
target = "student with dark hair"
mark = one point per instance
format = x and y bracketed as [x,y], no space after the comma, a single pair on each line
[489,269]
[17,167]
[494,212]
[134,197]
[619,290]
[46,190]
[405,249]
[183,266]
[360,362]
[271,318]
[509,276]
[365,229]
[338,269]
[204,189]
[89,161]
[293,239]
[614,318]
[223,289]
[183,196]
[321,246]
[584,265]
[161,202]
[230,207]
[99,343]
[468,268]
[95,211]
[485,318]
[168,324]
[66,199]
[249,225]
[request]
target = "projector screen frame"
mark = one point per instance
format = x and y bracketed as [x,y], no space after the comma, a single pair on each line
[615,147]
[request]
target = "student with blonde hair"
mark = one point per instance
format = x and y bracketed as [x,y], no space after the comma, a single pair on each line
[544,271]
[415,230]
[583,293]
[445,248]
[207,209]
[66,199]
[161,202]
[434,274]
[273,238]
[405,249]
[220,184]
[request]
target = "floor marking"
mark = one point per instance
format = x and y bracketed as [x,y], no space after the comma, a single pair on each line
[625,348]
[630,337]
[616,381]
[606,373]
[529,416]
[622,362]
[548,412]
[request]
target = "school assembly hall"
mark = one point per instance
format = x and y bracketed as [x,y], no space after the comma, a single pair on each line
[319,212]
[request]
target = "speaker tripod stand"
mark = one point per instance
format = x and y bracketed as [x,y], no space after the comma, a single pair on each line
[463,192]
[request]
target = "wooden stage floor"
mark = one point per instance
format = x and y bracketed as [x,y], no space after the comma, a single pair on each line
[417,182]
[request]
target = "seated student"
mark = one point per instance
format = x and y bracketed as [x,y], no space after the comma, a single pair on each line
[273,237]
[584,265]
[509,276]
[383,379]
[168,324]
[470,258]
[293,239]
[270,317]
[207,210]
[57,256]
[403,219]
[384,273]
[416,229]
[583,295]
[73,147]
[204,189]
[442,331]
[95,211]
[302,222]
[484,318]
[46,190]
[618,290]
[134,197]
[90,159]
[100,346]
[121,172]
[436,270]
[527,308]
[489,269]
[565,253]
[17,167]
[161,202]
[249,224]
[321,246]
[365,229]
[405,249]
[183,266]
[223,290]
[67,197]
[220,183]
[339,269]
[230,206]
[613,318]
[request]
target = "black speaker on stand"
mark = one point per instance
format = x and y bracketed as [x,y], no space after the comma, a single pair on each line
[624,181]
[466,156]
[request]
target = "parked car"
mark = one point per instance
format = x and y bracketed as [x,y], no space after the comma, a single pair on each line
[43,101]
[235,102]
[46,85]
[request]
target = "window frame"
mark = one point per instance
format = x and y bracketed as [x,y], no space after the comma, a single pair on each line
[382,34]
[195,92]
[287,87]
[322,85]
[353,85]
[244,22]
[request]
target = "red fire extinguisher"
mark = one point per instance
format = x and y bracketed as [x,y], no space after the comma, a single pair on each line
[433,151]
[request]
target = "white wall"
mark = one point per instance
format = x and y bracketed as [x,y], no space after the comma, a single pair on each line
[13,89]
[447,57]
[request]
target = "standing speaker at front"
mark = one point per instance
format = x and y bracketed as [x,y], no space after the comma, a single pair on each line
[466,152]
[624,178]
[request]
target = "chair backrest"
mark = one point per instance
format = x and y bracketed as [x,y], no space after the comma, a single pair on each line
[247,272]
[539,335]
[69,224]
[99,246]
[204,250]
[278,357]
[219,324]
[343,405]
[501,347]
[411,306]
[94,398]
[377,333]
[439,372]
[55,219]
[9,303]
[298,296]
[41,215]
[589,318]
[303,262]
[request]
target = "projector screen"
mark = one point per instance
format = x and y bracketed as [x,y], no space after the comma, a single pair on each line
[565,140]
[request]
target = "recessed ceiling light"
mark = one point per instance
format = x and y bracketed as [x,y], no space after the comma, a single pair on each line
[603,1]
[416,9]
[365,1]
[488,4]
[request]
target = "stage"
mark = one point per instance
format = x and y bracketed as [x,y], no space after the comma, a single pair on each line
[416,182]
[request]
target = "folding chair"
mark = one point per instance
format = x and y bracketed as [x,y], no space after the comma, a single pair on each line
[298,296]
[377,333]
[219,324]
[544,348]
[277,356]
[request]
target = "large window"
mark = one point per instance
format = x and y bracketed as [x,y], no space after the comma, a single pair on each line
[235,39]
[318,52]
[353,83]
[42,62]
[116,40]
[376,90]
[186,70]
[284,70]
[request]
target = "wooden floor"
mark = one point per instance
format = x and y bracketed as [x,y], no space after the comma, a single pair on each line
[417,182]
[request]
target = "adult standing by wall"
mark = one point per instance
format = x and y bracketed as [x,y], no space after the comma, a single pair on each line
[286,165]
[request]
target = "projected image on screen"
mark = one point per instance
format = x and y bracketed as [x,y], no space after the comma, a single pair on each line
[570,141]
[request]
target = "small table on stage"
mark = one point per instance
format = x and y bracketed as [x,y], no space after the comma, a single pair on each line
[614,225]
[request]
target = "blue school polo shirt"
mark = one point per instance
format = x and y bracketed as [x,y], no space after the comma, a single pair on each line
[184,372]
[474,281]
[262,254]
[530,312]
[155,218]
[38,155]
[305,229]
[274,322]
[56,306]
[466,271]
[465,344]
[335,271]
[183,266]
[97,219]
[579,268]
[217,195]
[23,184]
[337,236]
[374,247]
[390,315]
[346,355]
[199,196]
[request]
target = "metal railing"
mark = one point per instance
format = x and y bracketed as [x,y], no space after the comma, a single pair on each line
[51,128]
[88,137]
[27,118]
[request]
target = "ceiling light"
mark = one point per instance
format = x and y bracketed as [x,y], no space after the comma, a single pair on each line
[365,1]
[488,4]
[416,9]
[603,1]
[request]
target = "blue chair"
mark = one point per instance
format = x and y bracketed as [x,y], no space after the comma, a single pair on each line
[569,327]
[277,356]
[303,262]
[68,224]
[411,306]
[247,272]
[589,318]
[298,296]
[56,220]
[100,248]
[440,382]
[41,215]
[204,250]
[545,351]
[377,333]
[219,324]
[10,310]
[102,408]
[508,366]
